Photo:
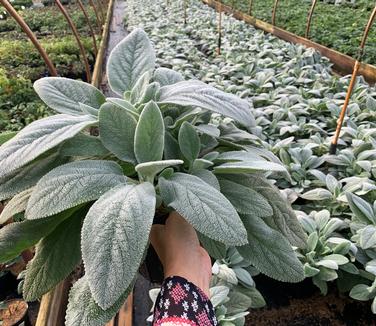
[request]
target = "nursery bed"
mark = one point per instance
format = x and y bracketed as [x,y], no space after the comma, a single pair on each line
[21,64]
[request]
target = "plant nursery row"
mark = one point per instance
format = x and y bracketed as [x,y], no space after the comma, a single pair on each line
[338,26]
[21,64]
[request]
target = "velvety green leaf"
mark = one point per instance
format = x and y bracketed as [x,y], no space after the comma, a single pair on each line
[310,271]
[361,208]
[56,256]
[129,60]
[329,264]
[270,252]
[245,199]
[114,237]
[368,237]
[16,205]
[83,310]
[283,218]
[201,164]
[165,76]
[39,137]
[189,142]
[339,259]
[64,95]
[248,167]
[150,133]
[208,177]
[244,276]
[72,184]
[86,109]
[19,236]
[83,145]
[239,302]
[256,297]
[360,292]
[171,147]
[28,176]
[139,89]
[210,130]
[204,207]
[317,194]
[199,94]
[371,267]
[216,249]
[150,169]
[117,131]
[125,105]
[218,294]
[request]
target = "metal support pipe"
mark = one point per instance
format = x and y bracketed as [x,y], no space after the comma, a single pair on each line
[89,25]
[250,7]
[309,18]
[9,8]
[185,12]
[274,11]
[219,30]
[102,11]
[91,2]
[333,145]
[77,36]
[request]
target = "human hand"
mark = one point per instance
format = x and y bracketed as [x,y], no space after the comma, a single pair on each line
[179,250]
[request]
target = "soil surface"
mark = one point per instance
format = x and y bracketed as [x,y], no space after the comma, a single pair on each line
[303,305]
[14,313]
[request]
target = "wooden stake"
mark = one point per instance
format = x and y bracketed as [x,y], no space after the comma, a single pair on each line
[309,19]
[9,8]
[53,305]
[219,30]
[125,315]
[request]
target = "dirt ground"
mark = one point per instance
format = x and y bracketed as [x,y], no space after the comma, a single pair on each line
[303,305]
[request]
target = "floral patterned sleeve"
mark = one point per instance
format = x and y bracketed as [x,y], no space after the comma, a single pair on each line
[181,303]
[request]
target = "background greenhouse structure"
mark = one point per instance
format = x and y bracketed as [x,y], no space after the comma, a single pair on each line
[254,119]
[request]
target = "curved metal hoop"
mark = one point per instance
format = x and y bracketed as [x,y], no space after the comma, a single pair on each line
[250,7]
[91,2]
[219,29]
[89,25]
[333,145]
[77,36]
[9,8]
[309,19]
[100,5]
[274,13]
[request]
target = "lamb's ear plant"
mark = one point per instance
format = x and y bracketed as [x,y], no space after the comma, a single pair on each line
[159,149]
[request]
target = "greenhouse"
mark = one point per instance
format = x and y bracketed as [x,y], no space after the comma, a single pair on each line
[187,162]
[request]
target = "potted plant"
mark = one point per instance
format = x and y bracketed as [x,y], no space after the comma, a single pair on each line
[165,144]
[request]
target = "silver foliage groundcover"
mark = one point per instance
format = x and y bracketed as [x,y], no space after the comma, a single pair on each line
[159,148]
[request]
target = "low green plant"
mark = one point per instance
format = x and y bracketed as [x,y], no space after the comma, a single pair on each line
[163,146]
[327,251]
